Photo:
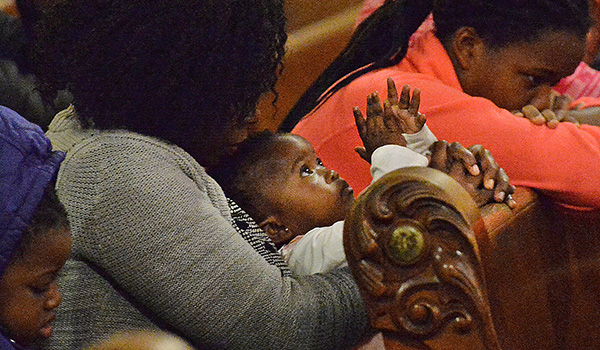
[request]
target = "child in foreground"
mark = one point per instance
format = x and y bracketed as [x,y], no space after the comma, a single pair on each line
[35,239]
[279,181]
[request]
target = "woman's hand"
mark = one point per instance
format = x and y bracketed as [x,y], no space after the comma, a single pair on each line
[589,116]
[551,113]
[475,169]
[385,123]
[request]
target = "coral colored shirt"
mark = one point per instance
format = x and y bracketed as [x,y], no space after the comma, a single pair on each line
[563,162]
[584,82]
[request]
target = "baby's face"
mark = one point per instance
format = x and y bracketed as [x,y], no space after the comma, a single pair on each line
[305,193]
[28,290]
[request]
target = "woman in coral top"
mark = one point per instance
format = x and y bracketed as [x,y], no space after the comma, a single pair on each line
[482,60]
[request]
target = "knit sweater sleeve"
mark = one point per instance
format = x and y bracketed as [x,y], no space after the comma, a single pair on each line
[146,217]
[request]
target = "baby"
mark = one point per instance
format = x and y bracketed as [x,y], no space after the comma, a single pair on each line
[281,183]
[35,239]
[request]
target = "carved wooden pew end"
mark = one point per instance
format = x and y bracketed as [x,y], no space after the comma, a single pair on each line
[410,244]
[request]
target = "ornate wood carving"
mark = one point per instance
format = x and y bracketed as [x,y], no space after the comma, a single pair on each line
[410,244]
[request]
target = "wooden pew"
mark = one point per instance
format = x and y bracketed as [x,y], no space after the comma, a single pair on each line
[436,272]
[542,263]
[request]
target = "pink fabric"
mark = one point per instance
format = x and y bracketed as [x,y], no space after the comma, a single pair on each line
[584,82]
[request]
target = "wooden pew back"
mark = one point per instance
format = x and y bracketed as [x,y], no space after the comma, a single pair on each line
[536,268]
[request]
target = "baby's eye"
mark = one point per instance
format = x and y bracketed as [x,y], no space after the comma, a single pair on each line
[306,171]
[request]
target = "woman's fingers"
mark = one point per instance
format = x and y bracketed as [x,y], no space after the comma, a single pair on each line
[503,190]
[439,156]
[362,152]
[489,167]
[544,98]
[533,114]
[458,152]
[546,116]
[494,177]
[552,118]
[561,102]
[390,116]
[374,111]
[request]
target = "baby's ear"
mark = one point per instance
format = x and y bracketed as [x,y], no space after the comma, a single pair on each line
[278,233]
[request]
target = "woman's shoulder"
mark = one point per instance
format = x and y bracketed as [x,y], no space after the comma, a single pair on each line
[106,157]
[117,166]
[67,135]
[115,146]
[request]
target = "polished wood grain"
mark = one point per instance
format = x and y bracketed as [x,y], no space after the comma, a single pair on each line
[410,244]
[525,278]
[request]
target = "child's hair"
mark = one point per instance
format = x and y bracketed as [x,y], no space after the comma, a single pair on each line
[242,175]
[381,40]
[50,214]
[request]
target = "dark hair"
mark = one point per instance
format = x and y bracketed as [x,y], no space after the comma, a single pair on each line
[243,174]
[382,39]
[49,214]
[180,70]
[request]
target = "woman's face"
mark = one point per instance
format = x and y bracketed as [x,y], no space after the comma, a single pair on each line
[514,75]
[216,145]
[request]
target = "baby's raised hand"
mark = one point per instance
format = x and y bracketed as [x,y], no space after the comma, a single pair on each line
[385,124]
[406,109]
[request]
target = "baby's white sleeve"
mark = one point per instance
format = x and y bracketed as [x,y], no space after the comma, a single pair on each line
[420,141]
[319,250]
[392,157]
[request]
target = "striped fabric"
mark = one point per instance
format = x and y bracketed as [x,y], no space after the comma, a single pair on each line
[584,82]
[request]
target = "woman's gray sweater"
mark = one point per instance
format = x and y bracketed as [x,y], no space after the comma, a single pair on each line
[153,247]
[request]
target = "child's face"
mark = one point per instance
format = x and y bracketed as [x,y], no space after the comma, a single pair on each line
[305,194]
[28,290]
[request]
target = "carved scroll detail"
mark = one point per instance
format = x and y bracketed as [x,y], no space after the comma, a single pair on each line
[410,245]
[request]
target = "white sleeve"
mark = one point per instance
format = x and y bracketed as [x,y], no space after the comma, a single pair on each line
[392,157]
[420,141]
[320,250]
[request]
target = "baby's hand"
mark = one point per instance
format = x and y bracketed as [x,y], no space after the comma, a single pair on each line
[385,124]
[406,109]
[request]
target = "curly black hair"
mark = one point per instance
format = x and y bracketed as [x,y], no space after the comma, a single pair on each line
[180,70]
[382,39]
